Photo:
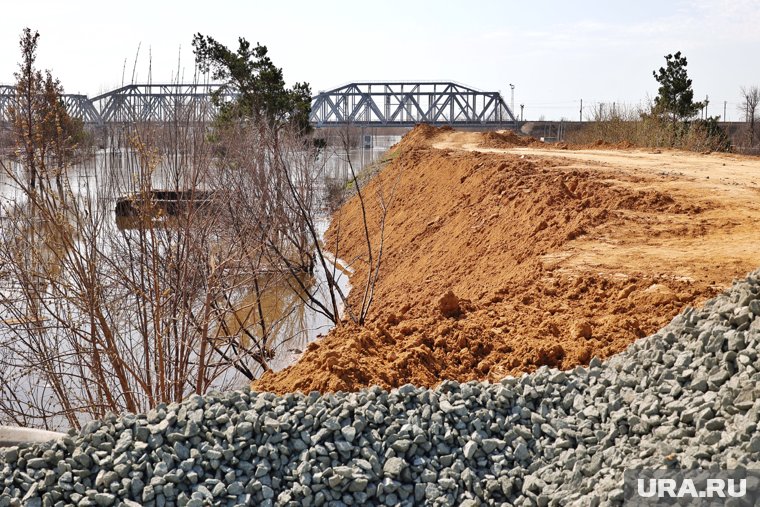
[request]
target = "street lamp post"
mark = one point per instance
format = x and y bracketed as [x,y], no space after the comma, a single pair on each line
[512,99]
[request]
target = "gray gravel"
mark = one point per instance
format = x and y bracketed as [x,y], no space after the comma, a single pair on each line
[685,397]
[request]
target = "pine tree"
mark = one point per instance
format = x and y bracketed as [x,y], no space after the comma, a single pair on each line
[675,99]
[258,83]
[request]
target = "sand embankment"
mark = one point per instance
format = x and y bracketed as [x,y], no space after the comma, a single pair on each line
[555,255]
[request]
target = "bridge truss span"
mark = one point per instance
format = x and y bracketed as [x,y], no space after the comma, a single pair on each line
[78,106]
[158,103]
[387,104]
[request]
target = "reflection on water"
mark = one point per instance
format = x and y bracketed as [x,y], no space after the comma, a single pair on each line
[337,163]
[279,314]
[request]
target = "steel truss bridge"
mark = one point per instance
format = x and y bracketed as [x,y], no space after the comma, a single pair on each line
[398,104]
[373,104]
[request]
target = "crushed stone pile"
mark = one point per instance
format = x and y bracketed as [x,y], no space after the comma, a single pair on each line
[686,397]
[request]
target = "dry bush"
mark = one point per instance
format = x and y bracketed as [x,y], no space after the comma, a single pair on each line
[178,297]
[120,315]
[98,318]
[705,136]
[638,126]
[104,315]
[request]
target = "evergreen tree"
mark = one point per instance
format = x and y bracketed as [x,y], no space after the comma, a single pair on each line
[675,99]
[258,83]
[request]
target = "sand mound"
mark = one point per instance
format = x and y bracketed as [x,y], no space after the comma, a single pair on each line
[507,139]
[421,136]
[472,285]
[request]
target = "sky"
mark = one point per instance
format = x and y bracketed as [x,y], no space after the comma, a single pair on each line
[555,53]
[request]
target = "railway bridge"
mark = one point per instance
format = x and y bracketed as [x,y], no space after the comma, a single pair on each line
[371,104]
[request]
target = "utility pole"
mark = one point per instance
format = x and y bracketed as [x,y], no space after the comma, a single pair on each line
[580,113]
[725,103]
[512,99]
[707,101]
[521,111]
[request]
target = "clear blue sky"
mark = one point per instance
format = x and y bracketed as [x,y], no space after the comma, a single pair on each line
[555,52]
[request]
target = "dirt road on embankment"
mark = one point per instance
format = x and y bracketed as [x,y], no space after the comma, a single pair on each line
[555,255]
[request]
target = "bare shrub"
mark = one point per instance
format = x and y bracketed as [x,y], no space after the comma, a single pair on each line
[748,107]
[638,126]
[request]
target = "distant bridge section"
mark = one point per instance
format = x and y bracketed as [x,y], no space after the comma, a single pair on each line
[157,103]
[78,106]
[134,103]
[375,104]
[399,104]
[7,94]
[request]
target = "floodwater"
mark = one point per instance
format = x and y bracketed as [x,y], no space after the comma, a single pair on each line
[292,323]
[303,325]
[337,163]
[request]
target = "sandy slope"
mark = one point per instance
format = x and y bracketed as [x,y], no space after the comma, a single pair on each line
[557,255]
